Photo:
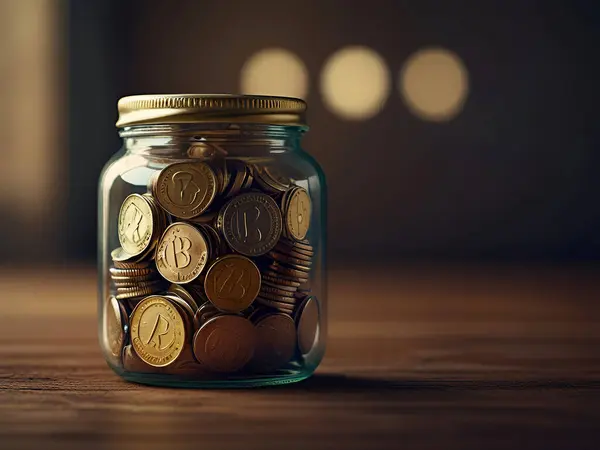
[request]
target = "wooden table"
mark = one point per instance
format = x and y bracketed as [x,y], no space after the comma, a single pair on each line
[418,357]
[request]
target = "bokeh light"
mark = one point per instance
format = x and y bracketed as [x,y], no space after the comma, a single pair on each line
[434,83]
[355,83]
[274,71]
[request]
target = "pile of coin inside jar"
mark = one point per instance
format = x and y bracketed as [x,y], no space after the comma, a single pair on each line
[212,275]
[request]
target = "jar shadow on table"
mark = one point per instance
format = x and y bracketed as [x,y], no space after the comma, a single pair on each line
[354,384]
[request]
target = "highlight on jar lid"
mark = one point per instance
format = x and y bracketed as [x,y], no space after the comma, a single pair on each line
[210,108]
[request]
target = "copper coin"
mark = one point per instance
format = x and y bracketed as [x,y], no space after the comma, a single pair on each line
[280,281]
[287,259]
[276,342]
[276,291]
[280,286]
[281,306]
[184,294]
[225,343]
[289,298]
[308,321]
[232,283]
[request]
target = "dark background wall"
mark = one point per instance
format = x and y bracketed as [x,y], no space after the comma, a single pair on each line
[512,176]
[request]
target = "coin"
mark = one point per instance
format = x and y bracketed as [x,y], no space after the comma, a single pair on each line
[131,272]
[251,223]
[276,342]
[184,294]
[266,287]
[134,291]
[281,287]
[288,298]
[225,343]
[134,283]
[124,260]
[182,253]
[186,311]
[115,323]
[293,253]
[136,225]
[280,306]
[297,271]
[300,246]
[232,283]
[185,190]
[286,259]
[133,363]
[279,281]
[137,278]
[157,331]
[269,273]
[307,319]
[297,213]
[270,179]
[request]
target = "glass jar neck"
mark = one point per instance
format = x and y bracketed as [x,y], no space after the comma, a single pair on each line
[227,138]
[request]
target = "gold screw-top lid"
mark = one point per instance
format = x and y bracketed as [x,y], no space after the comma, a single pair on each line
[210,108]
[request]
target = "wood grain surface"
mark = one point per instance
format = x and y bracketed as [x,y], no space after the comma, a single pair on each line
[418,357]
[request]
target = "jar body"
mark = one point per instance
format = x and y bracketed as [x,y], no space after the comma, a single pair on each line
[212,256]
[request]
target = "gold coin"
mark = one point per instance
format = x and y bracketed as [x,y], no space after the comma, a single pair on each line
[133,283]
[294,281]
[123,259]
[251,223]
[185,190]
[297,213]
[308,324]
[232,283]
[115,322]
[131,272]
[225,343]
[130,292]
[136,225]
[157,331]
[136,278]
[182,253]
[276,342]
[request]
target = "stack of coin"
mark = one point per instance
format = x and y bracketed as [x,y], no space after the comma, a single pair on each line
[134,279]
[213,272]
[240,178]
[269,179]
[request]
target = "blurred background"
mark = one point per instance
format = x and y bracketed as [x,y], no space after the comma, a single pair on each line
[449,130]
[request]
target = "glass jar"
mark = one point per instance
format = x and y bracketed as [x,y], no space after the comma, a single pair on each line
[212,243]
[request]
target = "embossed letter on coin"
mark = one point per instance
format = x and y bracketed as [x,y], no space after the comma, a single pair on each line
[185,189]
[182,253]
[157,331]
[251,223]
[232,283]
